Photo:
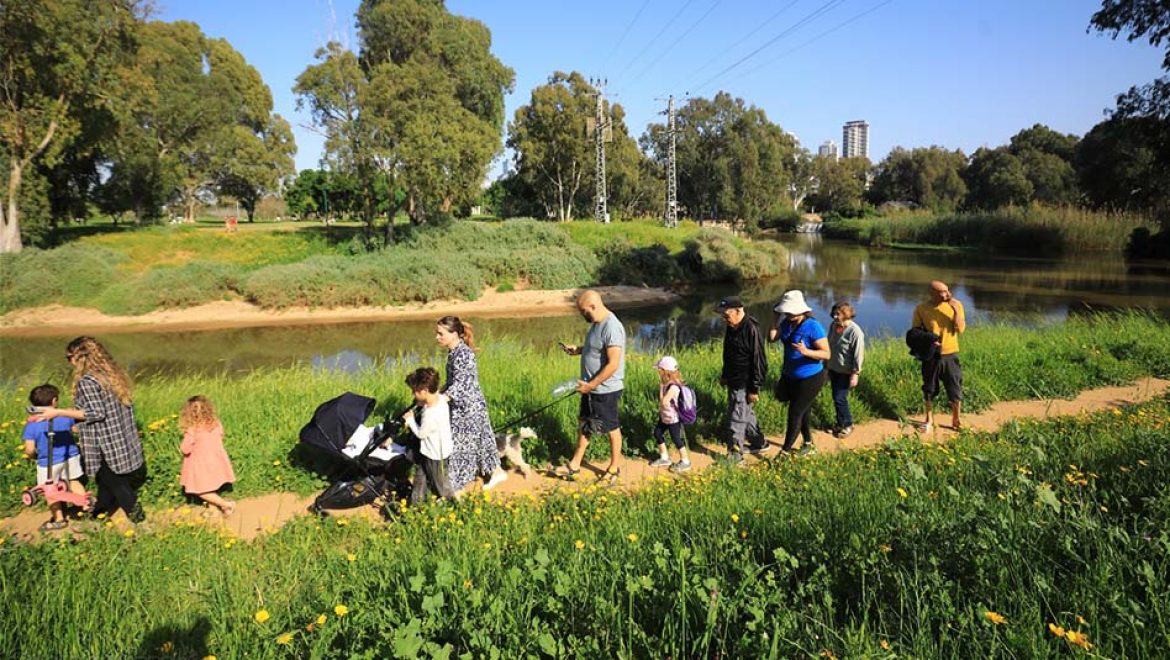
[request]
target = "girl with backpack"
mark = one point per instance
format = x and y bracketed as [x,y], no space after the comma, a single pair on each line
[676,406]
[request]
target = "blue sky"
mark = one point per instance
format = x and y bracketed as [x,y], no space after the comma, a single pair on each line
[958,73]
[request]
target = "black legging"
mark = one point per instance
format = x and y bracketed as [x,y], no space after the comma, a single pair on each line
[802,393]
[116,491]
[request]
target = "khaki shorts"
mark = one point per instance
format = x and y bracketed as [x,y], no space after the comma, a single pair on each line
[70,469]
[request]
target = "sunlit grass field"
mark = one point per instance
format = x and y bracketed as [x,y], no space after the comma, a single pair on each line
[263,410]
[1047,539]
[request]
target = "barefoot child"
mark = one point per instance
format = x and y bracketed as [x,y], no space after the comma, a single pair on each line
[434,435]
[669,391]
[66,458]
[206,466]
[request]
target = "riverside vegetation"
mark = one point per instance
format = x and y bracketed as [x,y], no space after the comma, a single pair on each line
[1034,230]
[264,409]
[1045,539]
[134,272]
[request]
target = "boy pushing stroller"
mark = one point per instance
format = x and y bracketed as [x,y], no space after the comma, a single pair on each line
[433,434]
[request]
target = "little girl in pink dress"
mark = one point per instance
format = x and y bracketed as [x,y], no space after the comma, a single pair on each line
[206,466]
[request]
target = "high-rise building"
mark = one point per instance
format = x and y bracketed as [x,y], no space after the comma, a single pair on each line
[855,139]
[828,149]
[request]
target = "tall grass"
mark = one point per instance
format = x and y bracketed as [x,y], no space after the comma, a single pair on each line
[262,411]
[1037,230]
[980,548]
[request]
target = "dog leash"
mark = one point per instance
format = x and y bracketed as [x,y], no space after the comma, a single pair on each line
[529,415]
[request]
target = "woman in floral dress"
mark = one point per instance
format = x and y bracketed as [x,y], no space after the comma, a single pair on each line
[475,452]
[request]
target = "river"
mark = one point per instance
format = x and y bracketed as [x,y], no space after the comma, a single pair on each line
[883,286]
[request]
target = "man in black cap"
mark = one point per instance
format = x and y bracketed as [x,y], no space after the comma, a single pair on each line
[744,367]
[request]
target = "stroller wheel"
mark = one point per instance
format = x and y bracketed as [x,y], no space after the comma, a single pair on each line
[28,497]
[316,510]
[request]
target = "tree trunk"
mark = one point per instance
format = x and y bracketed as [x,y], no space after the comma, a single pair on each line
[10,222]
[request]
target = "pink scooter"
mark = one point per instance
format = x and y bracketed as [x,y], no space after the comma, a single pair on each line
[56,490]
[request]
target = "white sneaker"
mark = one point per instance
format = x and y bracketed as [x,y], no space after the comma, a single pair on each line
[661,461]
[498,477]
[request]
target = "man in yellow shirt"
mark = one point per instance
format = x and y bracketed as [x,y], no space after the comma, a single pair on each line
[944,316]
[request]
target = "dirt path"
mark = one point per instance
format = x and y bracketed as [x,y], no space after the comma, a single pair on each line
[57,319]
[258,515]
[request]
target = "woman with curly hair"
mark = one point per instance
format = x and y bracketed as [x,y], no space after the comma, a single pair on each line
[474,451]
[104,409]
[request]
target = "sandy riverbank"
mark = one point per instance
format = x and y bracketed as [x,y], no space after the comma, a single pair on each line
[58,319]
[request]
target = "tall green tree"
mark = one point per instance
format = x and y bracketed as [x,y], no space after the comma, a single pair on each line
[422,102]
[555,151]
[1120,165]
[996,178]
[840,184]
[732,160]
[202,123]
[930,177]
[1047,157]
[59,61]
[1140,19]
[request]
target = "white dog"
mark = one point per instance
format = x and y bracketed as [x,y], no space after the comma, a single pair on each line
[509,446]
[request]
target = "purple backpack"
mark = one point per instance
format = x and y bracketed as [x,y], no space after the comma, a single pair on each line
[686,404]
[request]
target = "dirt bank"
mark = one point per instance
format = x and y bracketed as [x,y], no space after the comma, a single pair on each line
[60,320]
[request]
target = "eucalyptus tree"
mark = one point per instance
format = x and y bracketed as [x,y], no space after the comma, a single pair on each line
[422,102]
[732,161]
[555,150]
[60,60]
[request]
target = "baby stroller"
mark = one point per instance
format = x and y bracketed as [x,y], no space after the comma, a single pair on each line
[373,474]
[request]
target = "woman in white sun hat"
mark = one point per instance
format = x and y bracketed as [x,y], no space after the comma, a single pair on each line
[806,348]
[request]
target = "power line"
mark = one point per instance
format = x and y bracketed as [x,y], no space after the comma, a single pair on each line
[744,39]
[816,38]
[820,11]
[676,41]
[625,33]
[650,43]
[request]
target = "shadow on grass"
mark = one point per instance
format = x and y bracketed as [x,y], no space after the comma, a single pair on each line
[176,641]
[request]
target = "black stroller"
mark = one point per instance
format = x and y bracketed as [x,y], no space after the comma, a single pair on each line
[373,475]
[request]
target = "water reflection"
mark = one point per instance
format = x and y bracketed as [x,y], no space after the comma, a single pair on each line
[884,286]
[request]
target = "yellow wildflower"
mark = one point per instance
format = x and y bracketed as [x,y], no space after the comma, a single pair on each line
[735,518]
[579,544]
[285,639]
[884,644]
[1056,630]
[167,647]
[994,617]
[321,620]
[351,557]
[633,538]
[261,616]
[902,492]
[340,610]
[1078,638]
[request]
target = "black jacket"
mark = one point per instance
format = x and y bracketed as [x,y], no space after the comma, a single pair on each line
[922,344]
[745,365]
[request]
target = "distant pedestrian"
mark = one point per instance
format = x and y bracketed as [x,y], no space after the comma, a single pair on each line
[806,348]
[944,316]
[847,345]
[603,369]
[206,466]
[670,393]
[745,366]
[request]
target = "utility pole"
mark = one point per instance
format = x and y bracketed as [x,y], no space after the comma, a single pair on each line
[671,173]
[600,126]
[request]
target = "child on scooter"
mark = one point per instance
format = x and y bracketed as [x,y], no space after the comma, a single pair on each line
[65,461]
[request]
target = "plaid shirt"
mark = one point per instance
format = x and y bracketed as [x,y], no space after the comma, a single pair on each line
[108,434]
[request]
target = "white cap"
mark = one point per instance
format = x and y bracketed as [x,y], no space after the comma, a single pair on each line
[668,363]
